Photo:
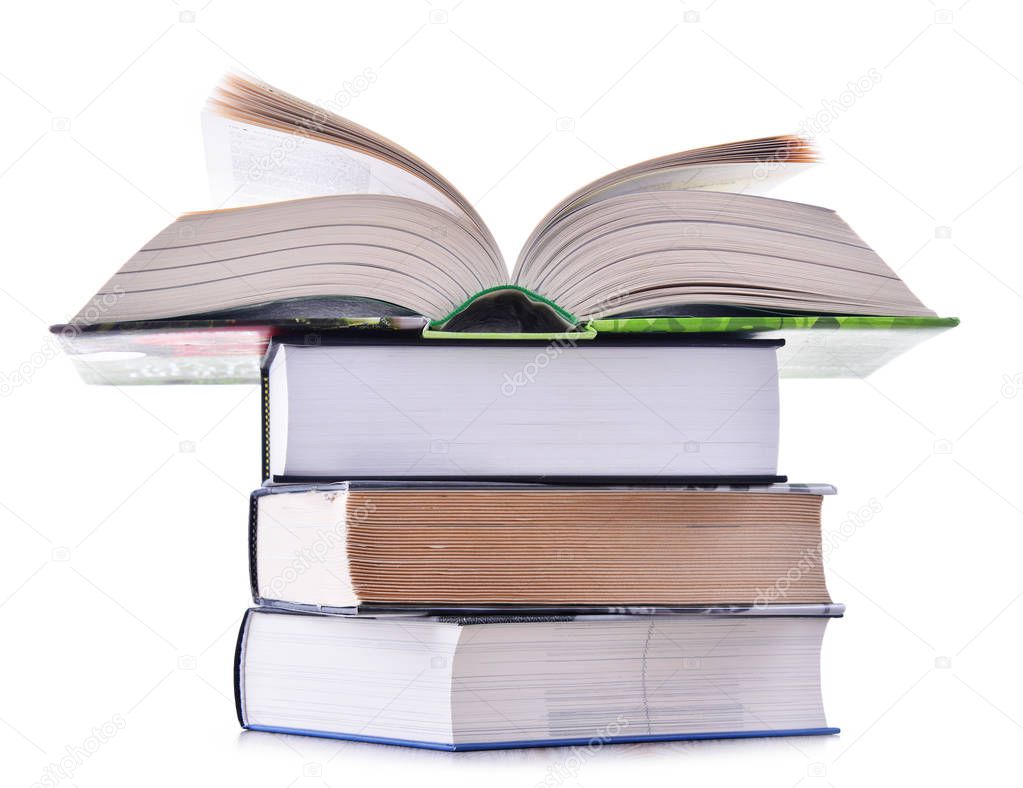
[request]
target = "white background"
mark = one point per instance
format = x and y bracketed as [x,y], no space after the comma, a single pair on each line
[123,572]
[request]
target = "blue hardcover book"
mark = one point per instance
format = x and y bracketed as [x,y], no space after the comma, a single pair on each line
[488,682]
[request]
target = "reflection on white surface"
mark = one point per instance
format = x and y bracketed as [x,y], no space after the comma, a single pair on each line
[538,761]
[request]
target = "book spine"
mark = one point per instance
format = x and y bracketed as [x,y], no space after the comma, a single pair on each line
[239,655]
[253,525]
[264,383]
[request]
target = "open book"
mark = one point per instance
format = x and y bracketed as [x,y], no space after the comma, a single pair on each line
[349,226]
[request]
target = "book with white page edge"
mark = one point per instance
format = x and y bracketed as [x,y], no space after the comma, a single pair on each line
[325,225]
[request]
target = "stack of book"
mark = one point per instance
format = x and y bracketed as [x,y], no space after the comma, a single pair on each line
[419,584]
[511,511]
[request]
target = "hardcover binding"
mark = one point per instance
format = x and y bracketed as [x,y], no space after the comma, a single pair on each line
[529,340]
[574,481]
[507,745]
[184,350]
[238,656]
[253,568]
[836,611]
[507,611]
[264,409]
[478,340]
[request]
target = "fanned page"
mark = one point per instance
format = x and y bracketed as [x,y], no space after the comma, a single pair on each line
[369,246]
[660,249]
[362,223]
[248,117]
[483,546]
[751,167]
[250,164]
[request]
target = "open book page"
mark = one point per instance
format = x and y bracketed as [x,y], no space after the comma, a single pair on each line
[249,164]
[746,167]
[392,170]
[654,250]
[738,178]
[369,246]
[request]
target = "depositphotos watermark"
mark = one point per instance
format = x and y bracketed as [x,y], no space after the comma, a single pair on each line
[569,767]
[265,163]
[25,372]
[317,551]
[818,123]
[810,560]
[75,755]
[833,108]
[532,368]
